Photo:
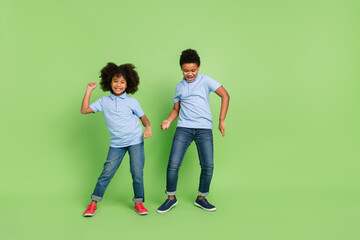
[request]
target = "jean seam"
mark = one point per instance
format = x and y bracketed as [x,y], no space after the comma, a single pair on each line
[189,136]
[201,158]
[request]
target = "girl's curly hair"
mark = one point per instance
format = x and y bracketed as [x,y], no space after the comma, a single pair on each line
[125,70]
[189,56]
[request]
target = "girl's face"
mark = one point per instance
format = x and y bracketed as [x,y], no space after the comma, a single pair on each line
[118,85]
[190,71]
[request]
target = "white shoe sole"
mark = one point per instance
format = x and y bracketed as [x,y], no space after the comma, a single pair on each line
[89,214]
[168,209]
[144,213]
[210,210]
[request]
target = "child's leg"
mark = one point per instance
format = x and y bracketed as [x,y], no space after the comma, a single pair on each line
[204,144]
[137,161]
[112,163]
[182,140]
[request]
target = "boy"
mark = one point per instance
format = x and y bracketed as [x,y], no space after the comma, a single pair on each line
[191,103]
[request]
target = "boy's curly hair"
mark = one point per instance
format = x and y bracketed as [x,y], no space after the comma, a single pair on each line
[125,70]
[189,56]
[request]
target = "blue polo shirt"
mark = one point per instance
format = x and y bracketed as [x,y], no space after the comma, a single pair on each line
[194,102]
[121,115]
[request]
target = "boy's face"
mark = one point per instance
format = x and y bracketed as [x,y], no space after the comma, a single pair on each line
[118,85]
[190,71]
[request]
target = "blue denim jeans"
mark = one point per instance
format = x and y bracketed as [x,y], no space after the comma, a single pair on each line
[113,160]
[204,142]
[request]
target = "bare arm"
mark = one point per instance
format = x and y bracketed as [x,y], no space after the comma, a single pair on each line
[146,123]
[172,116]
[85,109]
[225,98]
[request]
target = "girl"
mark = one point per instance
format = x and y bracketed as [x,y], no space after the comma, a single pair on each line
[121,114]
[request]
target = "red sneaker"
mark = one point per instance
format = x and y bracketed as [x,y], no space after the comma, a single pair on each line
[140,209]
[90,211]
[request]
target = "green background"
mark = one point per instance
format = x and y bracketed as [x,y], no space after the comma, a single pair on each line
[288,167]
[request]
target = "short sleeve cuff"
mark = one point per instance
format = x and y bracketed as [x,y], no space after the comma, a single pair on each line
[140,114]
[216,87]
[94,108]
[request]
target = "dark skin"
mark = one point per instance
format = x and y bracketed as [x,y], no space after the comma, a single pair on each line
[190,72]
[118,85]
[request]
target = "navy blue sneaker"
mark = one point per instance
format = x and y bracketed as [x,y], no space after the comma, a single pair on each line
[204,204]
[167,205]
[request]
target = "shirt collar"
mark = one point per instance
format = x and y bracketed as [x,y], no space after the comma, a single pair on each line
[123,96]
[186,82]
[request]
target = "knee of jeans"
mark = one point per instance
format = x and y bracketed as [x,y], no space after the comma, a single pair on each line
[137,172]
[138,179]
[105,175]
[173,167]
[207,168]
[108,168]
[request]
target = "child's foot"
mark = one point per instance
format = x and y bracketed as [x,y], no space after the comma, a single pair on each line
[167,205]
[204,204]
[140,209]
[90,211]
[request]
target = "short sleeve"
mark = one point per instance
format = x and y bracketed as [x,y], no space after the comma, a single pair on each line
[97,106]
[136,108]
[177,94]
[212,84]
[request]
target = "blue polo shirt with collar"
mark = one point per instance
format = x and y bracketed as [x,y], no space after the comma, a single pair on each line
[121,115]
[194,102]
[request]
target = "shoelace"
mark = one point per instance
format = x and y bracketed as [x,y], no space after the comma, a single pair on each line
[168,201]
[91,207]
[204,199]
[140,206]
